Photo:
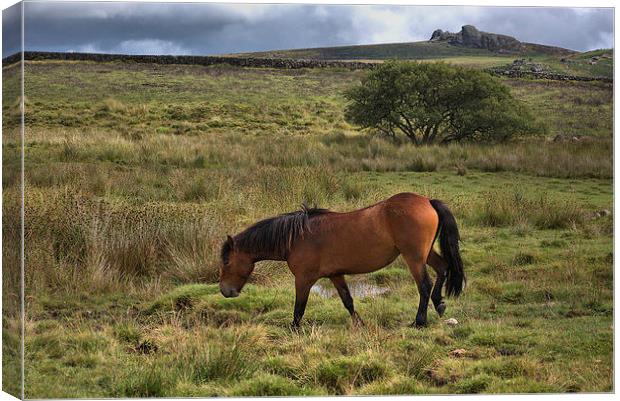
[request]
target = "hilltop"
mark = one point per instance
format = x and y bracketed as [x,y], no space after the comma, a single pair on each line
[468,42]
[471,37]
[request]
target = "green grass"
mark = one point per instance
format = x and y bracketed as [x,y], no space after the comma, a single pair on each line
[134,180]
[581,63]
[568,107]
[11,174]
[578,64]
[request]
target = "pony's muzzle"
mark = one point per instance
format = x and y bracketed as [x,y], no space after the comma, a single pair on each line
[228,292]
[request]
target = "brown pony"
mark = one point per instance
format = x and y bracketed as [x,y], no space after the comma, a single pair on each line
[319,243]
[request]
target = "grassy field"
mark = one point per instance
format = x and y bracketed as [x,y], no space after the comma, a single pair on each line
[11,294]
[581,63]
[136,173]
[547,58]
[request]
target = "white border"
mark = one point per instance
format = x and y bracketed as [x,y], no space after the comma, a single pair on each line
[524,3]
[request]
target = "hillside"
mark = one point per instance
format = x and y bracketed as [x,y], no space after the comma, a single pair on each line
[597,64]
[469,42]
[411,50]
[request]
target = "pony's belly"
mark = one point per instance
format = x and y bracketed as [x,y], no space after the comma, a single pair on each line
[357,246]
[363,261]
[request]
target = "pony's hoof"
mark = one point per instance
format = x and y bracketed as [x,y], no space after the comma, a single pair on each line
[418,325]
[441,308]
[294,327]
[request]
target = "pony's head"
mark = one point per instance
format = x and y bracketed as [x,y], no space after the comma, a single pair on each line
[235,269]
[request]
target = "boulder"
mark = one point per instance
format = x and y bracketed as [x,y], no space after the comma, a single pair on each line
[470,36]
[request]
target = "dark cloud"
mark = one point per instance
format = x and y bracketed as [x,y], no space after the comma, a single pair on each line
[11,30]
[176,28]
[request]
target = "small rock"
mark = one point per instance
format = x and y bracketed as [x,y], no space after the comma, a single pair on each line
[452,322]
[604,213]
[458,353]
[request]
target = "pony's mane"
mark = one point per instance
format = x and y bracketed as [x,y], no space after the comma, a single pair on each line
[274,235]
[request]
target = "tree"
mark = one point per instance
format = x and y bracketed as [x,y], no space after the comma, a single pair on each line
[437,102]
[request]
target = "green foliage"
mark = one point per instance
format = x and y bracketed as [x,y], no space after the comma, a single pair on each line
[436,102]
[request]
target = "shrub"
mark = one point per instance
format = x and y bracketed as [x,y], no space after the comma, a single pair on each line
[437,102]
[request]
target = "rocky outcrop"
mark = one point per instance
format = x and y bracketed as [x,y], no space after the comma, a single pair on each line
[470,36]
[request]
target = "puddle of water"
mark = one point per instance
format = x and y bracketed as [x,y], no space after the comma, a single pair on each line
[358,289]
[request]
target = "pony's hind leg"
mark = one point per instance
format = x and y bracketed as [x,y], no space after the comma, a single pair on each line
[345,296]
[417,267]
[440,266]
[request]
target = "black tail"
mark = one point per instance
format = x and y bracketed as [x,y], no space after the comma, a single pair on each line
[449,244]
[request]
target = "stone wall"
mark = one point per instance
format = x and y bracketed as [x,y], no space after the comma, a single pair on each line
[506,72]
[197,60]
[264,63]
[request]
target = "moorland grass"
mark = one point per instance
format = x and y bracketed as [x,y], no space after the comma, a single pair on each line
[133,182]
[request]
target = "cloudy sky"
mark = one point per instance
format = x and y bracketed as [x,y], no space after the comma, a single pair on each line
[201,29]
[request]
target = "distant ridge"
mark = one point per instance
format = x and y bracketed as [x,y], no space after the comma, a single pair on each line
[468,42]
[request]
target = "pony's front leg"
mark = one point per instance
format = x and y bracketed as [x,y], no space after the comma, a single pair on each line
[345,295]
[302,291]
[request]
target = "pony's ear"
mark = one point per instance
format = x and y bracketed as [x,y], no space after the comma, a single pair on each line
[230,241]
